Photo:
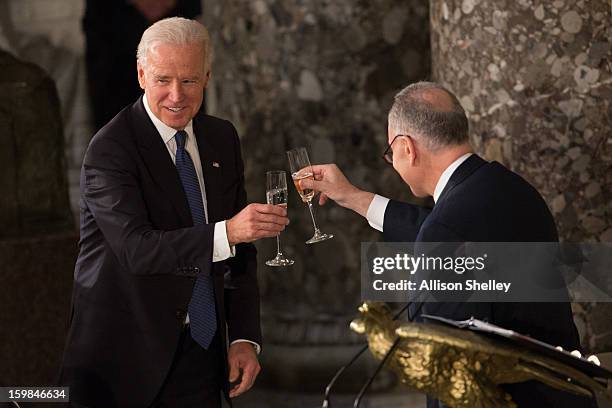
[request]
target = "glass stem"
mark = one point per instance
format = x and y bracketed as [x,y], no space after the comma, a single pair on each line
[314,223]
[278,250]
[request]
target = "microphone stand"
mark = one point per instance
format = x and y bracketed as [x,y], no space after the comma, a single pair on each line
[327,396]
[326,399]
[364,389]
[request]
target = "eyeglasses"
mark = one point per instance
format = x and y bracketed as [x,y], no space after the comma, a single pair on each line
[388,154]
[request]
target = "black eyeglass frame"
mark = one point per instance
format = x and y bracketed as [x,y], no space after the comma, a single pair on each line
[388,153]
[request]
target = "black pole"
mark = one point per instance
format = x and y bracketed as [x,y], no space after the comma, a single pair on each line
[327,396]
[364,389]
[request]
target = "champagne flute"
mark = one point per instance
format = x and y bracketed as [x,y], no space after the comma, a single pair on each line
[300,170]
[276,194]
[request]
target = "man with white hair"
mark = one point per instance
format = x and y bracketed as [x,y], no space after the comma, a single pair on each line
[164,222]
[475,201]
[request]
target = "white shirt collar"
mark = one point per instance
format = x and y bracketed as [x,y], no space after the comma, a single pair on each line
[166,132]
[446,175]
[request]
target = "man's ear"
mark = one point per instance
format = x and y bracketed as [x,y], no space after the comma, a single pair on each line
[207,78]
[141,75]
[410,149]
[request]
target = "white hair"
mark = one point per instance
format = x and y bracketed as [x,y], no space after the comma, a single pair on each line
[178,31]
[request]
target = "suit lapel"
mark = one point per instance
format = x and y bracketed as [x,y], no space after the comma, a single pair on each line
[469,166]
[212,169]
[158,161]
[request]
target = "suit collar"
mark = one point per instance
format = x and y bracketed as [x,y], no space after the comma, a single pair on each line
[158,161]
[164,172]
[446,175]
[465,169]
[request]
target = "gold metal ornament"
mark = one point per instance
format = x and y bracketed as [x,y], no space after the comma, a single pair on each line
[461,368]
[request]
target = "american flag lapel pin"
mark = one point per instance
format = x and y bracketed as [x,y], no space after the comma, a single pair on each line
[216,164]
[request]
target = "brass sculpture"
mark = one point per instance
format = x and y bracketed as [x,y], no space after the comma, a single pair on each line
[459,367]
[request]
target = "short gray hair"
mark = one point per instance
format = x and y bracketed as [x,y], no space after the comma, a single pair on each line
[413,115]
[175,30]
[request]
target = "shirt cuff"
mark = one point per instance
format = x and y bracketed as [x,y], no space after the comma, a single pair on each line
[221,247]
[376,212]
[257,346]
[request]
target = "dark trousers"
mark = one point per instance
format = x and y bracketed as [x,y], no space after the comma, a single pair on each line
[194,380]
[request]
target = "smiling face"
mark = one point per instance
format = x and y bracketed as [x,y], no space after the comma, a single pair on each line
[174,80]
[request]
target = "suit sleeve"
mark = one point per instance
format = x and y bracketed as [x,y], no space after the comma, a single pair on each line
[111,191]
[403,221]
[242,301]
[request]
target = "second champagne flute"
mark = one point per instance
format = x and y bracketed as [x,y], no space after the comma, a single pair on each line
[301,169]
[276,194]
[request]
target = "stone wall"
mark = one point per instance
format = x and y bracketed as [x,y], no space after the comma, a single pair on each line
[48,34]
[43,121]
[35,286]
[535,78]
[38,240]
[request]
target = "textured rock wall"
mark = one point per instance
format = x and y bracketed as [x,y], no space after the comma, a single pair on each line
[33,176]
[38,242]
[320,74]
[35,285]
[48,34]
[535,78]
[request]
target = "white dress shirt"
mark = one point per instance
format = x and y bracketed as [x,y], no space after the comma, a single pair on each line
[221,247]
[378,206]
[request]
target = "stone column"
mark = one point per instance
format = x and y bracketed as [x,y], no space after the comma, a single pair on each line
[37,238]
[49,34]
[291,73]
[535,78]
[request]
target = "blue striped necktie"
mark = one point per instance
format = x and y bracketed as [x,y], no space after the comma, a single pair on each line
[202,314]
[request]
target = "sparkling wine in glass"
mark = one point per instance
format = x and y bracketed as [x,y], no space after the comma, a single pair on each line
[276,194]
[300,170]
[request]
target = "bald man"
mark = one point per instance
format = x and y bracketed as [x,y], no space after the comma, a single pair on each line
[475,201]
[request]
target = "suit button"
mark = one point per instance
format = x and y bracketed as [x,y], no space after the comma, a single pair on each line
[180,315]
[196,269]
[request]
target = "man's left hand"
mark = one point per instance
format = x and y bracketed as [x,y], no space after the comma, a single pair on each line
[242,357]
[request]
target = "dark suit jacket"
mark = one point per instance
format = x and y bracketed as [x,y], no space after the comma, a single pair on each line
[485,202]
[140,255]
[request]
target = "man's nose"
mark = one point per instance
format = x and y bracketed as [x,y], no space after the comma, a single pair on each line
[176,92]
